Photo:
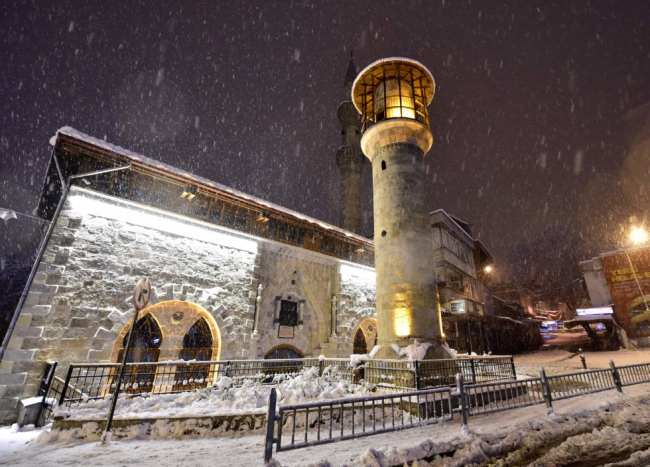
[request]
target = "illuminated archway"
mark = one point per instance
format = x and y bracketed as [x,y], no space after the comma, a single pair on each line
[174,319]
[365,336]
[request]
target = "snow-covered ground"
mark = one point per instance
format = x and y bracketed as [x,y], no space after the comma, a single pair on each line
[586,430]
[562,361]
[223,398]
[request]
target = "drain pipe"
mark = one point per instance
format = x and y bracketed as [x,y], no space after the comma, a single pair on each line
[66,189]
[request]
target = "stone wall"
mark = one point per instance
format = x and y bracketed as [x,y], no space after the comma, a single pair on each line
[79,305]
[80,300]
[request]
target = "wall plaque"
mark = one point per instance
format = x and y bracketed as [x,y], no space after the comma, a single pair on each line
[285,332]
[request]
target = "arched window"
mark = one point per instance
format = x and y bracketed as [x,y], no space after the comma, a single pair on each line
[197,345]
[286,353]
[360,344]
[283,352]
[145,347]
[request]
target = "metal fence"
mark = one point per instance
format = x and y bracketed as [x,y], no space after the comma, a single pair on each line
[92,381]
[293,421]
[329,421]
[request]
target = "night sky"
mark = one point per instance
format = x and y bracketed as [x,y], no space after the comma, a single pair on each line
[527,118]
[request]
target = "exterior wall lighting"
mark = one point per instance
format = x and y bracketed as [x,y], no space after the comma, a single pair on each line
[488,269]
[638,235]
[263,217]
[189,192]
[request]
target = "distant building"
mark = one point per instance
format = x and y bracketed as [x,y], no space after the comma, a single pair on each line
[622,278]
[474,319]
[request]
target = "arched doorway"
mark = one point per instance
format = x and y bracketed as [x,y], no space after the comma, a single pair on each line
[360,346]
[365,337]
[145,348]
[285,352]
[197,345]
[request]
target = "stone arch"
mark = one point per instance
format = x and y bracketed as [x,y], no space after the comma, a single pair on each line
[368,329]
[285,349]
[175,318]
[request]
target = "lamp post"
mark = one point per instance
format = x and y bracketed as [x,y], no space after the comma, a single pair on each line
[638,236]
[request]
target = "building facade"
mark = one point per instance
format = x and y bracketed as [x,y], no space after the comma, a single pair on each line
[233,276]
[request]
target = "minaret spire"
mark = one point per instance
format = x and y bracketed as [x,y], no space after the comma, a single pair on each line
[350,75]
[349,157]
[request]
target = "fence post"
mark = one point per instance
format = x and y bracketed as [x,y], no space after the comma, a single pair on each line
[616,376]
[270,427]
[471,362]
[417,375]
[65,385]
[321,367]
[514,369]
[546,390]
[460,384]
[46,384]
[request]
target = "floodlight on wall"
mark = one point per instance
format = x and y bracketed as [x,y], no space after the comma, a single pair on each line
[359,250]
[263,217]
[189,192]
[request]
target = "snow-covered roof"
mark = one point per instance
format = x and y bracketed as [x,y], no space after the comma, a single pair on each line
[132,156]
[463,232]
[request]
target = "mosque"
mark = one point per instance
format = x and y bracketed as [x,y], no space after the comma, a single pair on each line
[238,277]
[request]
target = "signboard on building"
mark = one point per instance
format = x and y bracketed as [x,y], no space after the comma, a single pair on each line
[628,294]
[458,306]
[603,310]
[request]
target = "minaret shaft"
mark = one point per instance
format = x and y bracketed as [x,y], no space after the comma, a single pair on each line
[392,96]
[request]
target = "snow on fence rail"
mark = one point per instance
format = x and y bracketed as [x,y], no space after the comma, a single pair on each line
[92,381]
[472,400]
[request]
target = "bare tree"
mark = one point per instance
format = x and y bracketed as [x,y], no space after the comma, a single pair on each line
[548,265]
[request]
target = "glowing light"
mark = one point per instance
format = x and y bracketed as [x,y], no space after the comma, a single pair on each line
[87,202]
[638,235]
[488,269]
[402,322]
[395,99]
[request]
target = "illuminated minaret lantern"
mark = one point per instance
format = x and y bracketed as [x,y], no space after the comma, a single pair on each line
[392,96]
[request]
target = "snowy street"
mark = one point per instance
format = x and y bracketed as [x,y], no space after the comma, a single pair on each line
[603,420]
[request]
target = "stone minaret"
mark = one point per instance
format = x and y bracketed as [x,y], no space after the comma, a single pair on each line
[349,158]
[392,96]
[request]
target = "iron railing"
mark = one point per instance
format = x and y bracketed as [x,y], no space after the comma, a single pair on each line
[468,401]
[303,425]
[92,381]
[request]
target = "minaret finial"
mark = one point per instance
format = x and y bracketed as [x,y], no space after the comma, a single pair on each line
[351,73]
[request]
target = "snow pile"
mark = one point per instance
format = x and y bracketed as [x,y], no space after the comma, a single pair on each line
[223,398]
[415,351]
[616,431]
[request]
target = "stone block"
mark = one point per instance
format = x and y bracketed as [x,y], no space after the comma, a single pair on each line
[79,323]
[105,334]
[37,310]
[6,366]
[9,404]
[29,367]
[28,331]
[32,299]
[13,379]
[18,355]
[31,342]
[99,355]
[15,342]
[40,278]
[23,320]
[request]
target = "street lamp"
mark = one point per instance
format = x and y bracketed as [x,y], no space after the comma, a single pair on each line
[488,269]
[638,236]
